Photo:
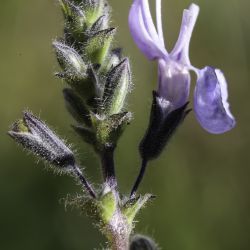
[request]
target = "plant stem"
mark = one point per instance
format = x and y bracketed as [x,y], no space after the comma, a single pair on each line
[85,183]
[120,244]
[139,178]
[108,166]
[119,232]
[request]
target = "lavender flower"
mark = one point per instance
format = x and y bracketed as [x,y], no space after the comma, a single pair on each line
[210,95]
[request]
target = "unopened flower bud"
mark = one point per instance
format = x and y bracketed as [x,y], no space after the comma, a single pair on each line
[94,9]
[117,87]
[34,135]
[164,120]
[70,61]
[98,44]
[141,242]
[114,59]
[73,14]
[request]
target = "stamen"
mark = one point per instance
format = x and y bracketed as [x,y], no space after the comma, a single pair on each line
[148,20]
[159,22]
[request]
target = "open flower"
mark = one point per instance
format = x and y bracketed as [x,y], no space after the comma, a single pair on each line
[210,95]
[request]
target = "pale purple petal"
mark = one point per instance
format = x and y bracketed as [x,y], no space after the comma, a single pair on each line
[159,22]
[174,83]
[181,49]
[210,102]
[148,20]
[143,31]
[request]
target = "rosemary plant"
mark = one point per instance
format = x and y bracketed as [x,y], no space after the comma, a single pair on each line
[99,80]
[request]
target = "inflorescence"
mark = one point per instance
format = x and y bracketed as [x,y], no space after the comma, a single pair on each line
[98,80]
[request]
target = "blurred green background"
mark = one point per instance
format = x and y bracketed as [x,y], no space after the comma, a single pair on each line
[201,181]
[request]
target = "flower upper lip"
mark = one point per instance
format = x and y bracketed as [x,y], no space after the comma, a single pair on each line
[145,33]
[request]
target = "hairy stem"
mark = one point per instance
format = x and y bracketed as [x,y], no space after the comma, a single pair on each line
[119,232]
[85,183]
[139,178]
[120,244]
[108,166]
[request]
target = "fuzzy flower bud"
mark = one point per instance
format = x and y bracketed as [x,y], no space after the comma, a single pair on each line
[94,9]
[73,13]
[113,60]
[117,87]
[70,61]
[34,135]
[98,45]
[100,24]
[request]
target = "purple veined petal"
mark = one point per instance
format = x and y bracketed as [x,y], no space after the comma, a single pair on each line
[181,49]
[174,83]
[210,102]
[139,30]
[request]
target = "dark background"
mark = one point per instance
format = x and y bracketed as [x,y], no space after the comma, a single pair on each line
[201,181]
